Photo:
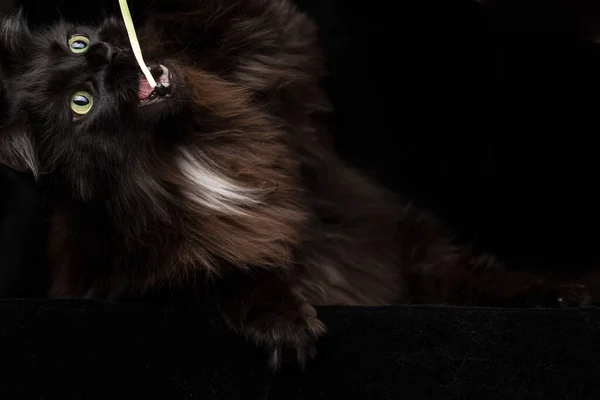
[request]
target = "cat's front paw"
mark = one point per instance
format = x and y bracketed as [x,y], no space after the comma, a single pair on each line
[264,308]
[275,318]
[288,335]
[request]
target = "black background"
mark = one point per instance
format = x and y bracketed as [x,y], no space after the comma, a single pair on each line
[487,115]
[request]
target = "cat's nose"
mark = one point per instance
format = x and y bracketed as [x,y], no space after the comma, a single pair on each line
[104,52]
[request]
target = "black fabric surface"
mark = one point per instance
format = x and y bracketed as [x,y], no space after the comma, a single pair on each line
[91,350]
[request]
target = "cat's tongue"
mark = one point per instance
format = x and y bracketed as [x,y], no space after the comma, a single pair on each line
[145,88]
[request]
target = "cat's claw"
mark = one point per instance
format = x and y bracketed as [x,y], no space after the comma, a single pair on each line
[288,336]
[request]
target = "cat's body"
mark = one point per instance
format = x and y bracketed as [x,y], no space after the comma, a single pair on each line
[230,184]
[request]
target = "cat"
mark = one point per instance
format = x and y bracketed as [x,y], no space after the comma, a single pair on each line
[228,180]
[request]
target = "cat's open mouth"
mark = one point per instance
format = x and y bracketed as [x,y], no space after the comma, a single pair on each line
[164,79]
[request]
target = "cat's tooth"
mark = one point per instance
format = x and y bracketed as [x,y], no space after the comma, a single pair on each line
[164,78]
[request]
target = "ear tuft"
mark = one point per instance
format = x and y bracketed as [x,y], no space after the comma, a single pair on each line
[16,149]
[13,30]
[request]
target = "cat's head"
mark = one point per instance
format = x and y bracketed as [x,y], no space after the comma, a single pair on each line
[76,102]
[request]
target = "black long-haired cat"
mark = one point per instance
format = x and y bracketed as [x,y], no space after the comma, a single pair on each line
[225,179]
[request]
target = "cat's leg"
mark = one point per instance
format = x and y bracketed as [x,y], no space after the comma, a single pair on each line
[460,277]
[262,306]
[440,271]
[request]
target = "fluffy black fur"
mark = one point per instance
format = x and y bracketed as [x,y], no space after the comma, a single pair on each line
[230,184]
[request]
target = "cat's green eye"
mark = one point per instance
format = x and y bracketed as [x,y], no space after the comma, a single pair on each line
[81,103]
[79,44]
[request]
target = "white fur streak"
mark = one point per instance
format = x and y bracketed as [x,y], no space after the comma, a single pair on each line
[209,189]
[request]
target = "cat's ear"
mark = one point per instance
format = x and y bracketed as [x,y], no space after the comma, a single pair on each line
[16,149]
[14,32]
